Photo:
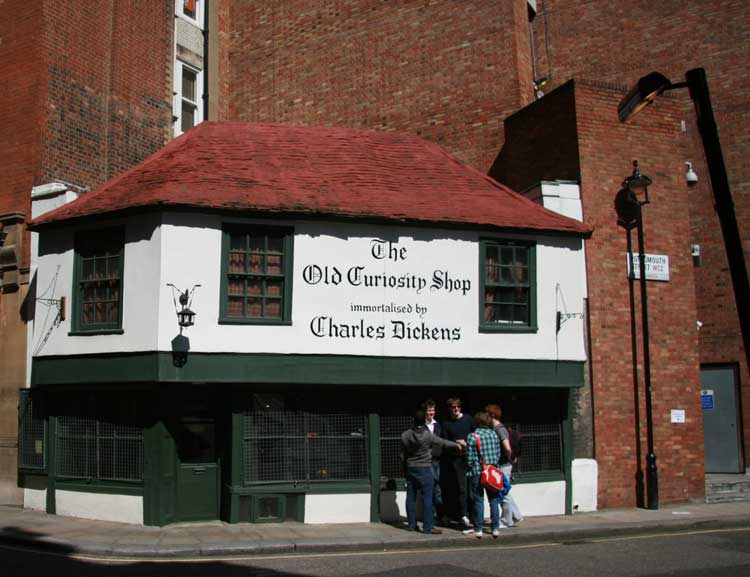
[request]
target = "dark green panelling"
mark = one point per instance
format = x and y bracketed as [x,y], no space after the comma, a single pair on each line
[304,369]
[321,488]
[51,465]
[99,487]
[567,448]
[32,480]
[373,450]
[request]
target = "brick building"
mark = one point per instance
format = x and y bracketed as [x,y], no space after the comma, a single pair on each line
[91,93]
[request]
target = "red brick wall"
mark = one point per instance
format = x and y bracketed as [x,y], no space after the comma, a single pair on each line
[449,71]
[619,42]
[22,102]
[607,148]
[574,130]
[109,87]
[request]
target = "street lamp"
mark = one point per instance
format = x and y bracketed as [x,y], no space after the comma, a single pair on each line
[629,204]
[644,93]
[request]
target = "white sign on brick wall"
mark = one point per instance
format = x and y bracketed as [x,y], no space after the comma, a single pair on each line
[657,266]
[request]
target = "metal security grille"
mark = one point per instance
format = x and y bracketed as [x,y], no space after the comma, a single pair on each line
[31,429]
[541,447]
[301,446]
[391,428]
[94,449]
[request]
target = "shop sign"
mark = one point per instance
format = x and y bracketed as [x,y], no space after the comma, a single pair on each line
[387,292]
[657,266]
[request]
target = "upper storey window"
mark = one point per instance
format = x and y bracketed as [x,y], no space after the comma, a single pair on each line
[508,291]
[256,274]
[192,10]
[97,288]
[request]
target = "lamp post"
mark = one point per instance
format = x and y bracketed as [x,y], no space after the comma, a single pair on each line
[629,204]
[644,93]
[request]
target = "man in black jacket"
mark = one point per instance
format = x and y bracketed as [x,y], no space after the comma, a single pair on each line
[455,495]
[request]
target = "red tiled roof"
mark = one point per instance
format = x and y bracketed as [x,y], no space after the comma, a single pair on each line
[296,170]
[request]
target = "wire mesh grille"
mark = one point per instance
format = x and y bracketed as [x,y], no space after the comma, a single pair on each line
[31,428]
[301,446]
[391,428]
[541,447]
[93,449]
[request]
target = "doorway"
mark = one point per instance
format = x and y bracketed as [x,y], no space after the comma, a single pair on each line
[198,468]
[720,419]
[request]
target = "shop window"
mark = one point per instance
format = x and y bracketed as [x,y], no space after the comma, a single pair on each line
[256,274]
[391,427]
[32,428]
[541,448]
[97,289]
[188,97]
[100,440]
[300,446]
[508,286]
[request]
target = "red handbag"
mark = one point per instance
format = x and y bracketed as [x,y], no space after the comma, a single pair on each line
[492,478]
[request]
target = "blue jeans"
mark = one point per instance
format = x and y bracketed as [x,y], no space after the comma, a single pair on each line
[419,479]
[437,494]
[494,501]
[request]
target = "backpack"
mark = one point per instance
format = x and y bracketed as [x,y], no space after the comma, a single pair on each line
[514,438]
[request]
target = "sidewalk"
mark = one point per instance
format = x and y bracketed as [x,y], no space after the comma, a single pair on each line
[70,536]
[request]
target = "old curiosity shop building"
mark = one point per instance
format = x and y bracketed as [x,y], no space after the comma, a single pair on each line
[337,278]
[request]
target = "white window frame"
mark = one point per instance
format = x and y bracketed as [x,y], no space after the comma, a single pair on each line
[178,96]
[200,10]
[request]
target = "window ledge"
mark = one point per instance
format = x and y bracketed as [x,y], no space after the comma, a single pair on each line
[507,329]
[270,322]
[95,332]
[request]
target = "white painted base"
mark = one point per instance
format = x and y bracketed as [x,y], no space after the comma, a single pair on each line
[35,499]
[120,508]
[349,508]
[585,475]
[533,500]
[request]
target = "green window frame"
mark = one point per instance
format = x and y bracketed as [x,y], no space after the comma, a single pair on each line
[507,292]
[98,281]
[256,274]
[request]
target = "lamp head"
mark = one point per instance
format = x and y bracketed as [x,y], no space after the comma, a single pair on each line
[638,184]
[642,94]
[690,175]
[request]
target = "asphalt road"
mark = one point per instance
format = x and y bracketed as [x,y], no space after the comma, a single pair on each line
[712,553]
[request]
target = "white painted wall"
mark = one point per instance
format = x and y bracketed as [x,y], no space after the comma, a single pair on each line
[35,499]
[585,478]
[186,251]
[534,499]
[337,508]
[120,508]
[140,291]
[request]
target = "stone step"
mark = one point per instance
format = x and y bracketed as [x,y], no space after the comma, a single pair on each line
[721,487]
[727,496]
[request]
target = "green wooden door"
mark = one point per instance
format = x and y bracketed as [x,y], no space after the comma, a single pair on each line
[198,472]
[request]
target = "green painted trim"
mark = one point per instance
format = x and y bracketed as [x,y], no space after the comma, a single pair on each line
[333,487]
[304,369]
[99,487]
[373,451]
[237,462]
[567,447]
[36,481]
[51,463]
[538,477]
[151,466]
[96,332]
[485,327]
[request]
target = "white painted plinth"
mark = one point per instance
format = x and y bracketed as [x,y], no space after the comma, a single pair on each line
[35,499]
[585,475]
[347,508]
[120,508]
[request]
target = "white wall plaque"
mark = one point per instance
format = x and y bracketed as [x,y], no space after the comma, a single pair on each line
[657,266]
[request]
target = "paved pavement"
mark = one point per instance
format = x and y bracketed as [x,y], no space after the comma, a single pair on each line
[72,536]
